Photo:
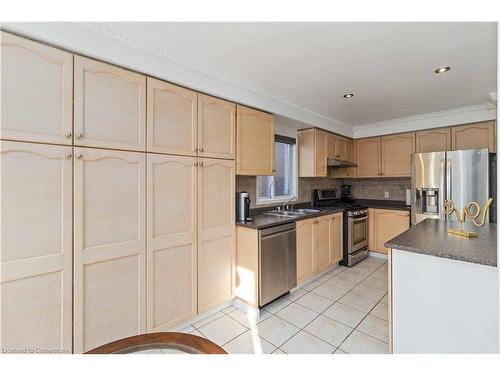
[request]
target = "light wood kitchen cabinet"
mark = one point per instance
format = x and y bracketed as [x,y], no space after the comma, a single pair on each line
[368,157]
[349,156]
[171,240]
[109,106]
[319,244]
[36,242]
[322,248]
[305,249]
[216,128]
[387,225]
[171,118]
[396,153]
[336,237]
[313,153]
[330,146]
[433,140]
[254,142]
[478,135]
[109,246]
[371,229]
[37,92]
[216,232]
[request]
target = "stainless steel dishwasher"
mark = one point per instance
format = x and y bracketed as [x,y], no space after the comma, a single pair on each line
[277,262]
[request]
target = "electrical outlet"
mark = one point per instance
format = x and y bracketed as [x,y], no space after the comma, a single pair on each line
[386,194]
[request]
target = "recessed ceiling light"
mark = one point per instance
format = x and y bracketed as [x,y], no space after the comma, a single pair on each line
[442,69]
[348,95]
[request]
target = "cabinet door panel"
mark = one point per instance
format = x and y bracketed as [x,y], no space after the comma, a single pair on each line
[172,120]
[109,242]
[255,142]
[368,157]
[479,135]
[36,256]
[305,249]
[331,140]
[433,140]
[389,224]
[216,232]
[320,153]
[37,92]
[336,238]
[171,244]
[110,106]
[396,154]
[216,128]
[322,243]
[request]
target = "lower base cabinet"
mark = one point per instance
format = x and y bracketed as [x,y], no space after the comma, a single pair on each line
[216,233]
[319,244]
[36,294]
[109,246]
[171,245]
[385,225]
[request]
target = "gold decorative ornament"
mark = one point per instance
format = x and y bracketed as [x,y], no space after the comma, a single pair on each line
[471,211]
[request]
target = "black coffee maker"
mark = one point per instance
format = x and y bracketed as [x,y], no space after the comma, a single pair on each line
[243,206]
[346,193]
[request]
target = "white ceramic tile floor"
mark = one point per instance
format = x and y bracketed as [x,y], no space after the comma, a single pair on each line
[325,316]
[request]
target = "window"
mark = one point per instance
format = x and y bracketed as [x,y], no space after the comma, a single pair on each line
[281,185]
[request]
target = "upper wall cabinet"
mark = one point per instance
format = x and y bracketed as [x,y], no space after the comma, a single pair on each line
[172,119]
[37,92]
[255,142]
[478,135]
[216,127]
[396,154]
[433,140]
[368,157]
[110,106]
[313,152]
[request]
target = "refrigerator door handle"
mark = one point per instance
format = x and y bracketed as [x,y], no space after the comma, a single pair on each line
[448,186]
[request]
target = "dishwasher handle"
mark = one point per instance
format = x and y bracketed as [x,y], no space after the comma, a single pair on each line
[277,229]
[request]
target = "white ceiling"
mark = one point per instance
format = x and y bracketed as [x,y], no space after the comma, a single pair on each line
[302,70]
[388,66]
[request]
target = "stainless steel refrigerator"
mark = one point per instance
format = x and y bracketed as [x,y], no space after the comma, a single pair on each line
[436,176]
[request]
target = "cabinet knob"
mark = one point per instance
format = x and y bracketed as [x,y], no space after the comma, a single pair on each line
[201,163]
[195,164]
[201,149]
[68,156]
[79,156]
[195,149]
[68,134]
[78,135]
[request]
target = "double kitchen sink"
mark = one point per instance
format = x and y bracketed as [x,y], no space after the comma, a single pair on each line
[292,213]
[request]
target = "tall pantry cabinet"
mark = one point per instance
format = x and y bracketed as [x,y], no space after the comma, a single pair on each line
[114,222]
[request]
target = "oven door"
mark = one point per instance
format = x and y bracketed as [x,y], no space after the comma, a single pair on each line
[358,234]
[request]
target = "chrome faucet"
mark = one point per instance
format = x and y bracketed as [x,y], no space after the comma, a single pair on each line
[287,202]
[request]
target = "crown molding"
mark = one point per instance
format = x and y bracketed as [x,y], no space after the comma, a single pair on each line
[456,116]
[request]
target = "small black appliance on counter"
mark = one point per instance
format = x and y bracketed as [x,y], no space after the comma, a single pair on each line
[243,206]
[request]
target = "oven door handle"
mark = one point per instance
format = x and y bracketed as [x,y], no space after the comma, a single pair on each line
[355,220]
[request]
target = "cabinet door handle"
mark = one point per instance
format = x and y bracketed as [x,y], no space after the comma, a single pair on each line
[195,149]
[79,156]
[68,156]
[78,135]
[195,164]
[68,135]
[201,163]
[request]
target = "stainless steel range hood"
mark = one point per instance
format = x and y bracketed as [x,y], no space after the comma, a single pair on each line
[337,163]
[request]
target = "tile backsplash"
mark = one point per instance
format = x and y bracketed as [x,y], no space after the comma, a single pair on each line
[374,188]
[366,188]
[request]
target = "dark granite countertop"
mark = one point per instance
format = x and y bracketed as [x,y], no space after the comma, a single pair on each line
[430,238]
[261,221]
[384,204]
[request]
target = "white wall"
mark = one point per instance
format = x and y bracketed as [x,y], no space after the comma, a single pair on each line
[456,116]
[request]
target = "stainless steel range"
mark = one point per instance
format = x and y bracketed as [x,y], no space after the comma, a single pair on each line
[355,226]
